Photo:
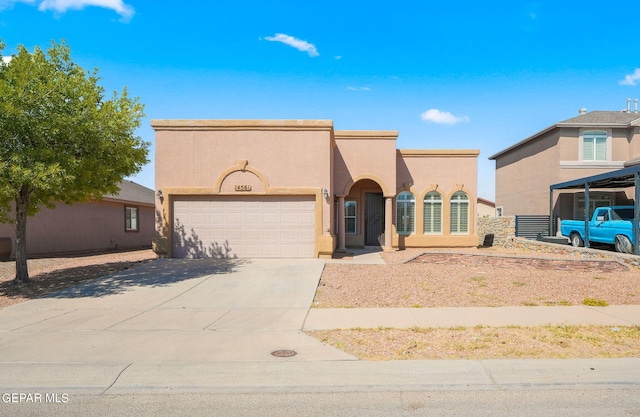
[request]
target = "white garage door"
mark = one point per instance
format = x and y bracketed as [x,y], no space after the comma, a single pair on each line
[250,226]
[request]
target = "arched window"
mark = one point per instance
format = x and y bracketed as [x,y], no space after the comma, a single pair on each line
[432,213]
[459,213]
[405,213]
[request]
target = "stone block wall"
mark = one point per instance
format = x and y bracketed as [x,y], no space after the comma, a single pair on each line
[503,230]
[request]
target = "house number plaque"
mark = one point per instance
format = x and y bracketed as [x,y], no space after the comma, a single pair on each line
[243,187]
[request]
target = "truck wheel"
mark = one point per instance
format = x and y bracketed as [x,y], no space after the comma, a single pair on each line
[623,244]
[576,240]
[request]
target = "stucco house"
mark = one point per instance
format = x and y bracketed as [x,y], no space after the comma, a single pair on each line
[486,208]
[117,222]
[299,188]
[589,144]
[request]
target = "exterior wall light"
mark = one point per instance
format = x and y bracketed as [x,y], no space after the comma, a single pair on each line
[325,192]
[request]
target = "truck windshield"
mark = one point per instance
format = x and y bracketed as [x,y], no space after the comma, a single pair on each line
[622,214]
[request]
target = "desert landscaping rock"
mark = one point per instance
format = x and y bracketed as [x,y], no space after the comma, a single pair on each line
[477,278]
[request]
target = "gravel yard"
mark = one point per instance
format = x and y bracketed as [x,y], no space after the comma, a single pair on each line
[477,278]
[55,273]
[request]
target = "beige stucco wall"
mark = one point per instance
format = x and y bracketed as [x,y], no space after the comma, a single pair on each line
[523,176]
[288,153]
[634,143]
[365,155]
[444,171]
[84,227]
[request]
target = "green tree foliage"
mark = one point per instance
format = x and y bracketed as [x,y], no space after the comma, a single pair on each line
[60,139]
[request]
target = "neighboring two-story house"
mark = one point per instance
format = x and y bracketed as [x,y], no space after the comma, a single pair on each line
[590,144]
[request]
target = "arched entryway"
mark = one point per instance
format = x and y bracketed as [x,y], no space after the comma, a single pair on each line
[364,215]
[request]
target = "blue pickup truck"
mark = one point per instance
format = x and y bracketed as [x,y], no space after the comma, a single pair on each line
[610,225]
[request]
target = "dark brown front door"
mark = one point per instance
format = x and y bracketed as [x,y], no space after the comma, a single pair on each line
[373,219]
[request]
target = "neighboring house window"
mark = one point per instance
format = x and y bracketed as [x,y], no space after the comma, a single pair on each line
[594,146]
[405,213]
[459,213]
[350,217]
[131,219]
[432,213]
[595,201]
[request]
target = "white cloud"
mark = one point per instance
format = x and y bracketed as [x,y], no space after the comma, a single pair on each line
[61,6]
[299,44]
[442,117]
[6,59]
[358,88]
[631,79]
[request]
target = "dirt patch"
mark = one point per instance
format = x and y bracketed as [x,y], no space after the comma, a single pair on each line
[486,342]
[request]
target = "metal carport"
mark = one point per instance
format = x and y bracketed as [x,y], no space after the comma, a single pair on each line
[623,178]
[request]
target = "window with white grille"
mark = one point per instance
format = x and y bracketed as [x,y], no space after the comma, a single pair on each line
[131,219]
[459,213]
[594,146]
[405,213]
[350,217]
[432,213]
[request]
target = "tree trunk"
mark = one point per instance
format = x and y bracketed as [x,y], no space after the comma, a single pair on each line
[22,202]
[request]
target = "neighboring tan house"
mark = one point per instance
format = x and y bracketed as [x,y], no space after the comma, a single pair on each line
[299,188]
[591,143]
[486,208]
[117,222]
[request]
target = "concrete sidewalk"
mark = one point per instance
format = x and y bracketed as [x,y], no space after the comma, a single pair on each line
[347,318]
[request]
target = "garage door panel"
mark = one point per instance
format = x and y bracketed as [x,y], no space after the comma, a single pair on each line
[234,234]
[233,217]
[288,234]
[264,226]
[305,235]
[306,219]
[271,218]
[217,219]
[200,218]
[253,218]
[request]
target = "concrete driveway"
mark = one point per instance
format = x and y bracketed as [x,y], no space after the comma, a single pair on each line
[172,310]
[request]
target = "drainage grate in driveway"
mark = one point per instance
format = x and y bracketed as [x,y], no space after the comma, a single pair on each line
[284,353]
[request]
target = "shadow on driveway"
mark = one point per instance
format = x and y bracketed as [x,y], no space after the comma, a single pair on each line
[156,273]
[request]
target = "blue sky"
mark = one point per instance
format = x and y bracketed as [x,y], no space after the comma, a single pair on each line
[458,75]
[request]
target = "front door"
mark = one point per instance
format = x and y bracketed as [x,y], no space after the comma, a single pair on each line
[373,219]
